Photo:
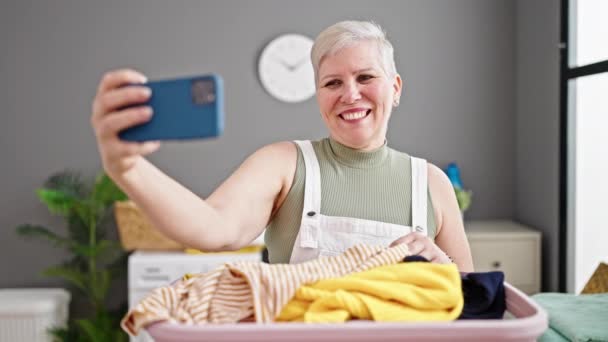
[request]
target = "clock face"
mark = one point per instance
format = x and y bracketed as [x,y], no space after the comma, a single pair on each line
[285,68]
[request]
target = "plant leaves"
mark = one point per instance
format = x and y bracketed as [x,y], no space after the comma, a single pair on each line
[68,182]
[120,336]
[93,331]
[104,327]
[74,276]
[105,192]
[83,250]
[78,230]
[77,263]
[36,231]
[57,201]
[70,334]
[106,223]
[87,212]
[101,286]
[111,252]
[59,334]
[101,247]
[117,314]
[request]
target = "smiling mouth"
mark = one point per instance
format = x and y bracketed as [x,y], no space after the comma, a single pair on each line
[355,116]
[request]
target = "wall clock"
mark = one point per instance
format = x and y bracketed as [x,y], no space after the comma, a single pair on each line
[285,69]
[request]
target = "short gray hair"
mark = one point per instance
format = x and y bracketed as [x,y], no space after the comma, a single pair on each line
[347,33]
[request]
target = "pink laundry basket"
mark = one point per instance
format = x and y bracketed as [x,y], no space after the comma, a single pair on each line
[525,321]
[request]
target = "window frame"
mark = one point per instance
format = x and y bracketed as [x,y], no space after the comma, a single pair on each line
[566,149]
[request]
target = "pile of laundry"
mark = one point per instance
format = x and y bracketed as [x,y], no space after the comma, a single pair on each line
[365,282]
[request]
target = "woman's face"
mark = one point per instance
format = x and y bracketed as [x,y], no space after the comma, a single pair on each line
[356,96]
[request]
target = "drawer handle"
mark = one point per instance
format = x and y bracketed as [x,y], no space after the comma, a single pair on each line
[496,264]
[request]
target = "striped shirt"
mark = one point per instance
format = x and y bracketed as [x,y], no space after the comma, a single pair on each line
[236,291]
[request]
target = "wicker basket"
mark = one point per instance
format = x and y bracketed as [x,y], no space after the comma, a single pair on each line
[598,283]
[136,232]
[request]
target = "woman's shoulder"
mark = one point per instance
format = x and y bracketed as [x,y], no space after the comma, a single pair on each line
[279,158]
[279,149]
[291,146]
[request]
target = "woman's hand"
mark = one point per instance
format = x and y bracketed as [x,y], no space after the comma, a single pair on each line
[420,244]
[109,119]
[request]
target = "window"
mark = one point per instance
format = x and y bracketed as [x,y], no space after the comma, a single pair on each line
[584,146]
[591,29]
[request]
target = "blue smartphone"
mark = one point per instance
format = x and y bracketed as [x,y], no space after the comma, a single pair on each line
[183,108]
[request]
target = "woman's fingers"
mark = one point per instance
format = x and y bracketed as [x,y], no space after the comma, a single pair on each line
[116,78]
[113,111]
[115,122]
[115,99]
[419,244]
[416,247]
[407,239]
[111,94]
[149,147]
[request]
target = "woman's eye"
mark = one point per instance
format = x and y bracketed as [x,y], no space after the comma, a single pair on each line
[363,78]
[332,83]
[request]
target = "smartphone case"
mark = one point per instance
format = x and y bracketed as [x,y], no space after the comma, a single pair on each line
[185,108]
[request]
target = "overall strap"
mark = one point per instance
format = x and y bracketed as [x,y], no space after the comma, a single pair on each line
[419,195]
[309,229]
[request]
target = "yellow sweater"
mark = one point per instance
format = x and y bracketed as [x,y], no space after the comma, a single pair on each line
[413,291]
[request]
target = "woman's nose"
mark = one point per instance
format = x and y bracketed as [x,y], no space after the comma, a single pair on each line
[350,93]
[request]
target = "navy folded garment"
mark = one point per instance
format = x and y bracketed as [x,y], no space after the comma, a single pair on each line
[484,295]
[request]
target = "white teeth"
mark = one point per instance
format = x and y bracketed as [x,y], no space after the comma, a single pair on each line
[354,116]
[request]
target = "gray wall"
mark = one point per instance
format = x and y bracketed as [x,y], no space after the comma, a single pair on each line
[537,132]
[457,59]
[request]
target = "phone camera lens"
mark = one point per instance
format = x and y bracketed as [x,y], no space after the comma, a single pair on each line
[203,92]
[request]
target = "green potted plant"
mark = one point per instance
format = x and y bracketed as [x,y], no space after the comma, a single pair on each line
[95,260]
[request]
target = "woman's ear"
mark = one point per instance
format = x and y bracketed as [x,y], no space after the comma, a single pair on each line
[397,86]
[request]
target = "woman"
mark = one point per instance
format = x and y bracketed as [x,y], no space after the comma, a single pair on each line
[314,198]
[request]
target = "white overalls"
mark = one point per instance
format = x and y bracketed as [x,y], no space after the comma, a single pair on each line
[322,235]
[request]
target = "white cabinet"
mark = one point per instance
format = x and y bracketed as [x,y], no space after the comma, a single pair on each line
[509,247]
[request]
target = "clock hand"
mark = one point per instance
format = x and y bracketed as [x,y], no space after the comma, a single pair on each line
[291,67]
[300,62]
[284,64]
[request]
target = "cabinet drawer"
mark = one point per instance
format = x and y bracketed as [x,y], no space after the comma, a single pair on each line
[517,258]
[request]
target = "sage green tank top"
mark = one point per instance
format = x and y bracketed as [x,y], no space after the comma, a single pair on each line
[374,185]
